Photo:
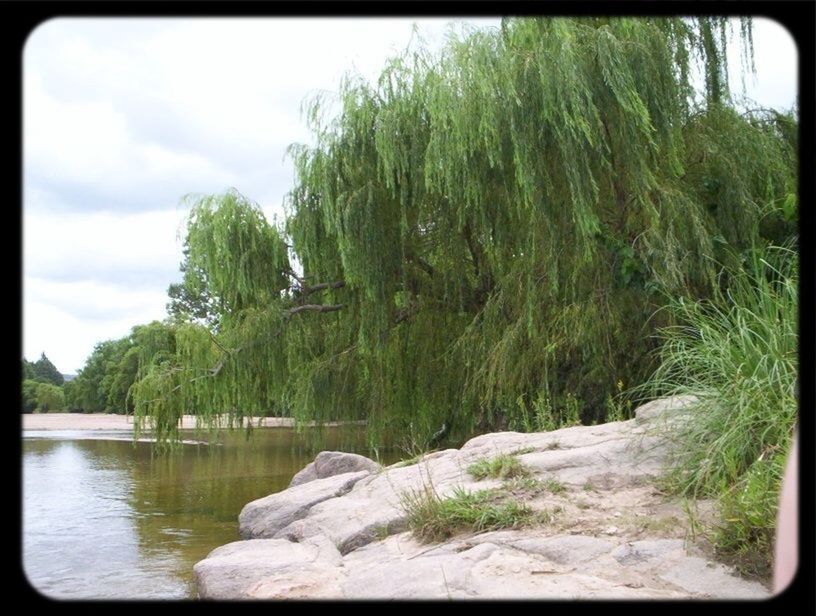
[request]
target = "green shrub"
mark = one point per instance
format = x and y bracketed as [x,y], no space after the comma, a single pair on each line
[749,514]
[541,414]
[533,485]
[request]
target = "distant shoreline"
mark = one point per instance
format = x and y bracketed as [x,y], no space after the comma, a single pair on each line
[124,423]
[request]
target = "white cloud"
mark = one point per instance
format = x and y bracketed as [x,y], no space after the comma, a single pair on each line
[86,153]
[91,277]
[103,246]
[192,105]
[92,300]
[122,117]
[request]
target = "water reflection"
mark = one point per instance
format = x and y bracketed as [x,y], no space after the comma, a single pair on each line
[111,519]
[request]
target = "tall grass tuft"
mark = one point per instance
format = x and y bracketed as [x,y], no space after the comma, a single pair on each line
[433,518]
[503,466]
[738,354]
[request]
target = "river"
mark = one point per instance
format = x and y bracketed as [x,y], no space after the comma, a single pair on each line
[107,518]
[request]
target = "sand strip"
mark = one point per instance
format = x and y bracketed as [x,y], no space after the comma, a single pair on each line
[99,421]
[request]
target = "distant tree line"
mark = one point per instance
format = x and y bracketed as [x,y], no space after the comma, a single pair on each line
[102,385]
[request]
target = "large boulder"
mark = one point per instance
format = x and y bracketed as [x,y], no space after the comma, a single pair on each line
[373,507]
[264,517]
[331,463]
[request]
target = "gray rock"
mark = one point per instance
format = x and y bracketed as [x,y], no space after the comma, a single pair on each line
[348,523]
[264,517]
[606,460]
[707,579]
[441,577]
[371,509]
[331,463]
[638,552]
[664,408]
[305,475]
[493,579]
[567,549]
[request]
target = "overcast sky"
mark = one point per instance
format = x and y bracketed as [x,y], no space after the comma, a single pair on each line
[123,117]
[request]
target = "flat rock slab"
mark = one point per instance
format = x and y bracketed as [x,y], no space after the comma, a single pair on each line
[711,580]
[372,508]
[501,566]
[665,409]
[344,535]
[566,550]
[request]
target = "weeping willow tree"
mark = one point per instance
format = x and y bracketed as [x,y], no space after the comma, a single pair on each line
[484,232]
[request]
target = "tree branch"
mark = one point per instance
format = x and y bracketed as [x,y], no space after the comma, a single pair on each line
[315,308]
[308,290]
[405,314]
[484,275]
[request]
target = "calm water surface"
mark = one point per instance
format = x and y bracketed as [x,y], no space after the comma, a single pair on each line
[110,519]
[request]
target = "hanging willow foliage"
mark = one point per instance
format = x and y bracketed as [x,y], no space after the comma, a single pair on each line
[484,230]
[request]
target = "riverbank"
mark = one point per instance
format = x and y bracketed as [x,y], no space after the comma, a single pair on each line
[100,421]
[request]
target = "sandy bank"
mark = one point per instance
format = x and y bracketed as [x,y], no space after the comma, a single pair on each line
[71,421]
